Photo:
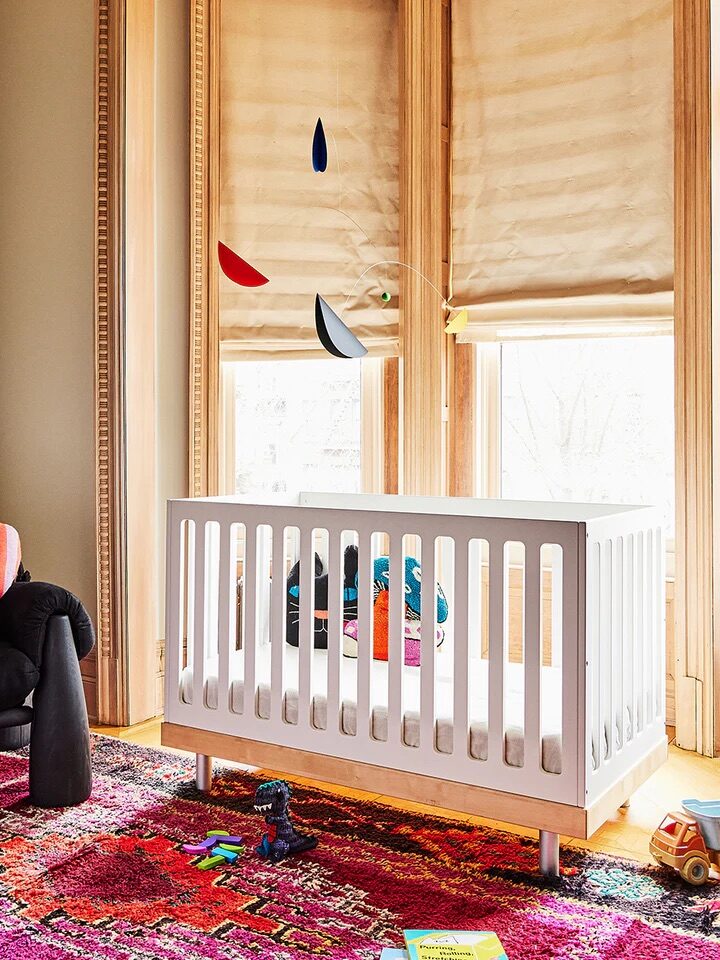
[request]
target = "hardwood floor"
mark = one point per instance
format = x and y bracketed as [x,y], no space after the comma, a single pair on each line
[627,834]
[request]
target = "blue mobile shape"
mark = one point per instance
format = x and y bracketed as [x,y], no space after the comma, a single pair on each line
[319,149]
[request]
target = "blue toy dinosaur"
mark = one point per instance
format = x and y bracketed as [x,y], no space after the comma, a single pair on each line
[272,799]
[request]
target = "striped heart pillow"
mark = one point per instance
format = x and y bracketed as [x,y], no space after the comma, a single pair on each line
[9,556]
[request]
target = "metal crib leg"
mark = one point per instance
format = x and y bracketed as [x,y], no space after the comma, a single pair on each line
[549,854]
[203,772]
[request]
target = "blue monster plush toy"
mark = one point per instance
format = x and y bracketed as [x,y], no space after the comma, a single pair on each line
[413,580]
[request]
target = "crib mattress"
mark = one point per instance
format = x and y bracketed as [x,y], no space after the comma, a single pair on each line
[514,700]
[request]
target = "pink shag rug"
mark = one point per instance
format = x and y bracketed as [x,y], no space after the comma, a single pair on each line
[109,880]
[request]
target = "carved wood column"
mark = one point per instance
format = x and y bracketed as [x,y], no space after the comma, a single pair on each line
[697,378]
[125,362]
[204,202]
[422,188]
[109,202]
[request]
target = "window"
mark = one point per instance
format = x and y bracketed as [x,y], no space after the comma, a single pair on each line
[296,425]
[586,420]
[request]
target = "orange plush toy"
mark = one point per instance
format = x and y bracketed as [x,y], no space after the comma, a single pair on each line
[381,616]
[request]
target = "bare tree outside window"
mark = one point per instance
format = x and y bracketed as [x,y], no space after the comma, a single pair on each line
[589,420]
[297,426]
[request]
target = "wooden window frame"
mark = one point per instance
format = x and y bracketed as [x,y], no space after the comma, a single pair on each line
[693,596]
[697,375]
[372,427]
[428,387]
[427,420]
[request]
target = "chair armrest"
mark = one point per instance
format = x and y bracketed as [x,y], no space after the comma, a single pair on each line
[60,767]
[24,613]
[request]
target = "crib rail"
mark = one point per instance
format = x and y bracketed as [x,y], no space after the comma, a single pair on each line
[426,719]
[625,676]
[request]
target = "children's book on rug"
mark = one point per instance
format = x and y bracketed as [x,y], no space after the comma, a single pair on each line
[392,953]
[453,945]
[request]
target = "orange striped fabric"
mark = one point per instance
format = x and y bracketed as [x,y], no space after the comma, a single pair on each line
[9,556]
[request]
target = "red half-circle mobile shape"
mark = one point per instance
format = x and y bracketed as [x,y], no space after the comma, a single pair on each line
[237,269]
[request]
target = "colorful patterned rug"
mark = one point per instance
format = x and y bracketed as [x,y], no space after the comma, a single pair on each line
[109,881]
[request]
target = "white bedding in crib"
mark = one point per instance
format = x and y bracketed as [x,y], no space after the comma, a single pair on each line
[514,700]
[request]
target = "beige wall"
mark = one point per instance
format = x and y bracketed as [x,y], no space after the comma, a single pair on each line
[47,459]
[47,465]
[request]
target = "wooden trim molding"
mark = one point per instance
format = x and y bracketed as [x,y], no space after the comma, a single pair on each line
[697,591]
[204,180]
[422,229]
[461,480]
[125,364]
[391,423]
[462,440]
[109,308]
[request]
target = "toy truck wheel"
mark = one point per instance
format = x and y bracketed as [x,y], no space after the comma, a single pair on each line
[695,870]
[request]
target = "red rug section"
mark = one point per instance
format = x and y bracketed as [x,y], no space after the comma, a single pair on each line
[108,880]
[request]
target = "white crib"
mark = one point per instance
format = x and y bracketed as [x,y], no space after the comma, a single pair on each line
[543,707]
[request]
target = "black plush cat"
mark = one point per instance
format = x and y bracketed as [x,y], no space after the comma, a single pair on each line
[350,566]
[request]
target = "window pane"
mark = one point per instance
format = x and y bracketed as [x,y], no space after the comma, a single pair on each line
[297,426]
[589,420]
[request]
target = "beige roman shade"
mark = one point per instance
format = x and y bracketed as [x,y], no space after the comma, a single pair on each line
[283,64]
[562,140]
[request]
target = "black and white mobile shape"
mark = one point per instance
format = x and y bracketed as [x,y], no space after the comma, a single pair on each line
[333,334]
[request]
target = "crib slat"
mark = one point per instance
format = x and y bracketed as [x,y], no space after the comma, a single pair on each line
[616,678]
[659,648]
[650,627]
[532,621]
[189,578]
[641,589]
[250,605]
[307,624]
[574,652]
[461,732]
[278,612]
[175,537]
[593,642]
[475,617]
[365,639]
[628,658]
[396,636]
[556,580]
[600,637]
[199,617]
[477,677]
[428,617]
[335,632]
[607,648]
[226,619]
[496,655]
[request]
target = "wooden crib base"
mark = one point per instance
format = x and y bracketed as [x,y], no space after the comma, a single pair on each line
[544,815]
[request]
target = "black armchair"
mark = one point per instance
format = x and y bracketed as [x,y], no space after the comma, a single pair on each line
[44,633]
